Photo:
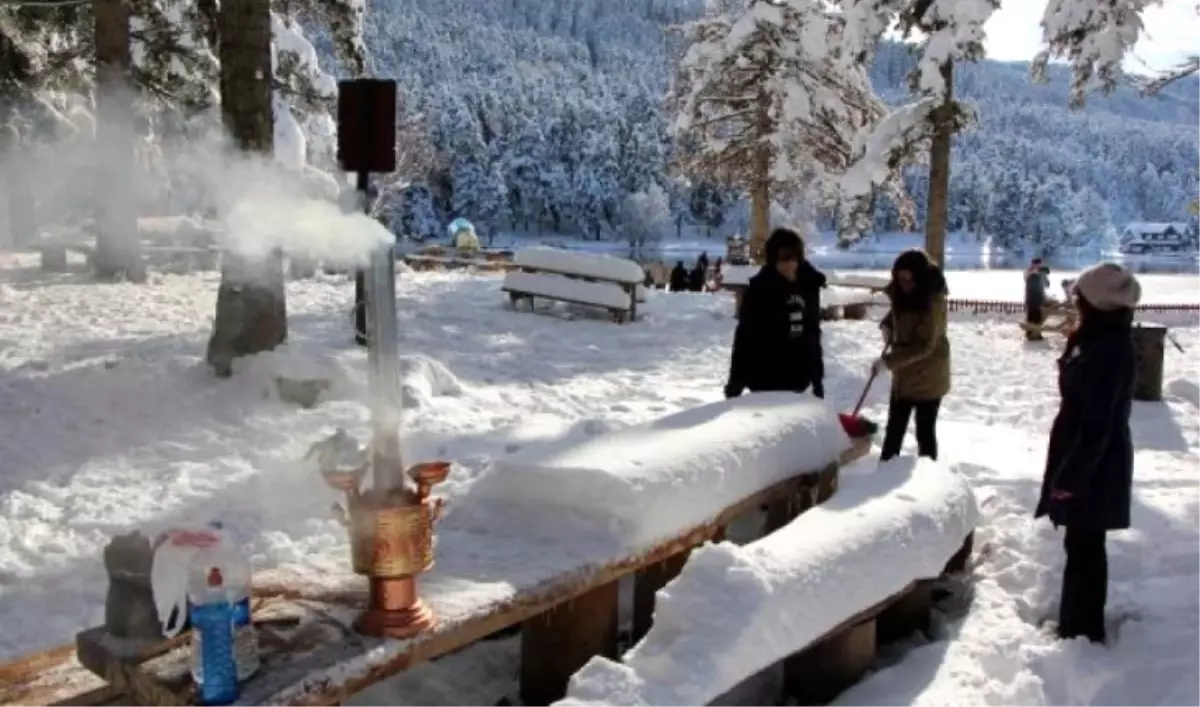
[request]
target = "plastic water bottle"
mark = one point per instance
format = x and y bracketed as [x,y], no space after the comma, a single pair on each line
[212,616]
[215,559]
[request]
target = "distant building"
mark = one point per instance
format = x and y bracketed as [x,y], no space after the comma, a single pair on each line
[1144,237]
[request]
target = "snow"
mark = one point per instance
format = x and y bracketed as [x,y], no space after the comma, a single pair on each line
[647,483]
[595,265]
[887,526]
[602,294]
[111,421]
[1143,228]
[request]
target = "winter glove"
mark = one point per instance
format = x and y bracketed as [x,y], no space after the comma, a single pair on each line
[878,366]
[818,389]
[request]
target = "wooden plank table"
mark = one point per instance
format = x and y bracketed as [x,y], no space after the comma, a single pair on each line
[482,583]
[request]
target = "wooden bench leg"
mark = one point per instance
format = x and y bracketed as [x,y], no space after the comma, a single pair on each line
[907,615]
[557,643]
[816,675]
[646,582]
[54,259]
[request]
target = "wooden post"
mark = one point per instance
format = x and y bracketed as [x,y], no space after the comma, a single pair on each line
[556,644]
[816,675]
[646,582]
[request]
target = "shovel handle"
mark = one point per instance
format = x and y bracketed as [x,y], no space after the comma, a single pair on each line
[867,388]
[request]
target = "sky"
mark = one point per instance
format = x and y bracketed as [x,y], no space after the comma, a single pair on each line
[1171,32]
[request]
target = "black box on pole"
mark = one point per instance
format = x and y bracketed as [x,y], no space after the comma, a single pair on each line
[366,118]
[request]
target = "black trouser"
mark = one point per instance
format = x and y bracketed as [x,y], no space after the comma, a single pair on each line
[1034,313]
[1085,585]
[899,413]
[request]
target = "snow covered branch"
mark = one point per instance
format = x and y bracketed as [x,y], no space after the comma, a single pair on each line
[1151,85]
[1094,36]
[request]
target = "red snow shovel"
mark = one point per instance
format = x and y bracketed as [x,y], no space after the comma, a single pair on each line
[855,425]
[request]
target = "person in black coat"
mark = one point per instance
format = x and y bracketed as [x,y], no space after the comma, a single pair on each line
[1088,480]
[777,344]
[679,278]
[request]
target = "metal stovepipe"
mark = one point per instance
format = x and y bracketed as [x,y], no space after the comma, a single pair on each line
[383,363]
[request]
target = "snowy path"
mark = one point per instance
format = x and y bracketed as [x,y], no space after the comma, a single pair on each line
[108,420]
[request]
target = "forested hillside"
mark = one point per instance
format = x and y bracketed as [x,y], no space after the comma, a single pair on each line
[548,114]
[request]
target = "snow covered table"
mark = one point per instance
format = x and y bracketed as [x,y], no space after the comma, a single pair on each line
[556,577]
[589,279]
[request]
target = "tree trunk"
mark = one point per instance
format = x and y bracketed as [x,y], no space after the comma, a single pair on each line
[939,171]
[117,247]
[760,189]
[251,306]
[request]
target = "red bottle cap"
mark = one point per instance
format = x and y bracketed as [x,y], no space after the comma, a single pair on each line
[214,577]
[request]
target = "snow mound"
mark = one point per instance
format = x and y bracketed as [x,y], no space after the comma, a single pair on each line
[596,265]
[885,528]
[602,294]
[423,378]
[646,483]
[265,369]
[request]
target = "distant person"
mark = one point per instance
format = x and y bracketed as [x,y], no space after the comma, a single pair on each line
[918,354]
[679,278]
[1088,479]
[698,277]
[703,259]
[1037,282]
[777,343]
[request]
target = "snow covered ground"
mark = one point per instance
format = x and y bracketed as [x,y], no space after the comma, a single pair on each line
[109,420]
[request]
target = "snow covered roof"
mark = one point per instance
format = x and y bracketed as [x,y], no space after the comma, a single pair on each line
[1142,227]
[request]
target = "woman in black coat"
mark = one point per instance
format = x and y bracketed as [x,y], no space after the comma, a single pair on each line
[1088,480]
[777,343]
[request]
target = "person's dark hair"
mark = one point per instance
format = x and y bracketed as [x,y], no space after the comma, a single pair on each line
[1093,320]
[784,240]
[927,281]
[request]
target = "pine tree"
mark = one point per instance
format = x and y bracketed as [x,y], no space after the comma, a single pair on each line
[762,102]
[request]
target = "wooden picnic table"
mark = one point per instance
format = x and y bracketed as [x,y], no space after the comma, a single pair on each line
[564,597]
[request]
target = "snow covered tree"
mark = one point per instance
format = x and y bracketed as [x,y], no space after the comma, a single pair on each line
[952,32]
[762,101]
[645,216]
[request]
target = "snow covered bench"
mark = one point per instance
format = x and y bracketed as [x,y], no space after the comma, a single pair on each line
[808,594]
[838,300]
[588,279]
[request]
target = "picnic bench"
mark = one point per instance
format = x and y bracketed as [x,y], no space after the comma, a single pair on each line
[842,298]
[566,606]
[590,280]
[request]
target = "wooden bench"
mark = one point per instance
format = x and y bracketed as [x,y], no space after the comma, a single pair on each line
[566,606]
[53,252]
[609,283]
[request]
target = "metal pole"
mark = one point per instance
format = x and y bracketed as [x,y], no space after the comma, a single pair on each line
[383,362]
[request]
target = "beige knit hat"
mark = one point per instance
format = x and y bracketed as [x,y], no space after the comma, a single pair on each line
[1109,286]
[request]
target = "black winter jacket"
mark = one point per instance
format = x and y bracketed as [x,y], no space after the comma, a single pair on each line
[777,344]
[1090,454]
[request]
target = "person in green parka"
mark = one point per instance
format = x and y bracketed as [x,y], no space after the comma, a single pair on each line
[918,353]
